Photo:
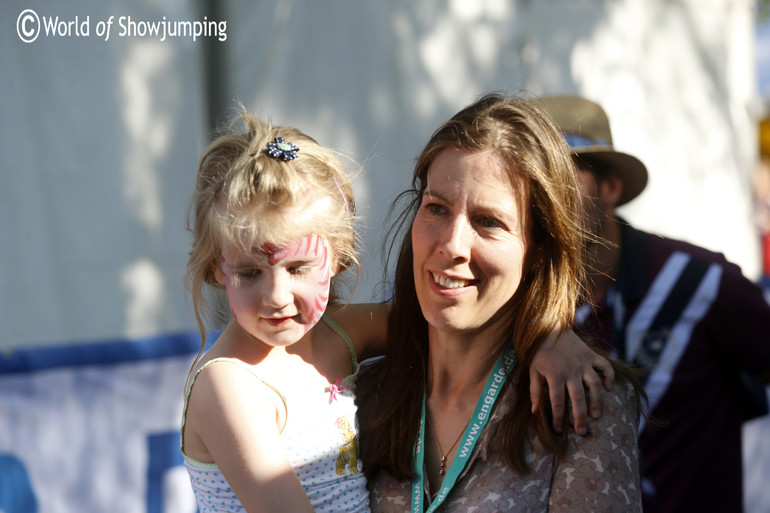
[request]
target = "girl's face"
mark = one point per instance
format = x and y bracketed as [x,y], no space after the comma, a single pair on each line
[278,294]
[469,241]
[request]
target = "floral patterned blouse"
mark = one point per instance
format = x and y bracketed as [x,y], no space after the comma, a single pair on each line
[598,473]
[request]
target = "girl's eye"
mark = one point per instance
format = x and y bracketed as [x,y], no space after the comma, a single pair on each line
[247,274]
[299,269]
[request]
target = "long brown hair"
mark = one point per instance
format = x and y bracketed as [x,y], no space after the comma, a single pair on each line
[539,160]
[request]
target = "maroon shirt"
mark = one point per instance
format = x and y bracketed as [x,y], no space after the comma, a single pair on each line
[696,327]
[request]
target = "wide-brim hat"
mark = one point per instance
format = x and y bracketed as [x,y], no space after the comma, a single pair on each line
[587,130]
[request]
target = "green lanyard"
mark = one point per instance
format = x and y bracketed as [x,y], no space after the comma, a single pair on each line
[481,414]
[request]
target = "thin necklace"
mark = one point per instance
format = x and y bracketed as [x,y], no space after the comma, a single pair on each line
[442,468]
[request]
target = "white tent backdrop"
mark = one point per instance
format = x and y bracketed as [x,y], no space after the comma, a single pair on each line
[99,147]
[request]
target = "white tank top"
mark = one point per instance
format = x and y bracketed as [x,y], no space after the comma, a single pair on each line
[320,440]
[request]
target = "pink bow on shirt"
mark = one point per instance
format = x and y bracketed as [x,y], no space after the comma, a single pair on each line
[334,388]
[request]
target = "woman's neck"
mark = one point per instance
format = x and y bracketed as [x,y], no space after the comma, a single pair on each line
[459,365]
[458,368]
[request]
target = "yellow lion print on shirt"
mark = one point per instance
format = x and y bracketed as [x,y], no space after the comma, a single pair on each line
[349,449]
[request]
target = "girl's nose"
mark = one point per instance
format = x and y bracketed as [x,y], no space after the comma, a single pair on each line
[277,289]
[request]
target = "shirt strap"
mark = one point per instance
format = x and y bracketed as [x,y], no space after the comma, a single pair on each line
[336,328]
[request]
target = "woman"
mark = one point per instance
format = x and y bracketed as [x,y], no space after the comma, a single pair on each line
[490,264]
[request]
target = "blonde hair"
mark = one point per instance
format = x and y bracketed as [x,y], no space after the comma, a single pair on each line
[245,198]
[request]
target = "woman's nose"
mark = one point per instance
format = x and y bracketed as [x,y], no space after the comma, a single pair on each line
[456,237]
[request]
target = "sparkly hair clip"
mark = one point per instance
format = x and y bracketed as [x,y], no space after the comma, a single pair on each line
[282,150]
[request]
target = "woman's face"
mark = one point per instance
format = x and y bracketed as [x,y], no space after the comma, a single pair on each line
[469,241]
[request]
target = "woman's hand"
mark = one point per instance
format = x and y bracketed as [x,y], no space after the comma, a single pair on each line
[565,361]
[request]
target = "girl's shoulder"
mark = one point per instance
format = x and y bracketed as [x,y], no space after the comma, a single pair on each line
[226,398]
[230,381]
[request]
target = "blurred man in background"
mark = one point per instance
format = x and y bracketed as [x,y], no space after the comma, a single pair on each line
[697,329]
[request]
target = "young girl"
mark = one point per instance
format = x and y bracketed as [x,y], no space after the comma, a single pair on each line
[270,421]
[270,416]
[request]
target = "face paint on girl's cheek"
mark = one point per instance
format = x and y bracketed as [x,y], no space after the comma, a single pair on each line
[318,307]
[314,296]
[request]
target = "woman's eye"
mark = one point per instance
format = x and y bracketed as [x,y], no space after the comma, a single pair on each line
[489,222]
[435,209]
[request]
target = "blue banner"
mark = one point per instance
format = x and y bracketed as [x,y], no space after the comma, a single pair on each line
[95,427]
